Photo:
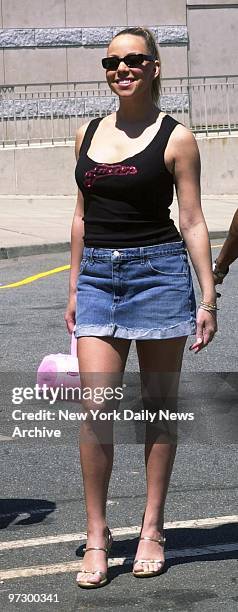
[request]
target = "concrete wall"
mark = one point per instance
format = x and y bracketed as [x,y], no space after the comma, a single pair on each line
[82,62]
[62,40]
[55,41]
[208,3]
[219,165]
[213,41]
[47,170]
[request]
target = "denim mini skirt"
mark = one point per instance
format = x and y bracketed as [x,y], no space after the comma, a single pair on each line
[138,293]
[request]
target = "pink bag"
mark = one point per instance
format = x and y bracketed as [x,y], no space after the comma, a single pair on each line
[60,369]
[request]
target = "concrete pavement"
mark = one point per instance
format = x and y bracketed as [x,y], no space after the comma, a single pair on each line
[40,224]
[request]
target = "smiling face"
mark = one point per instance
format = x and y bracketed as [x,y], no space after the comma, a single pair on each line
[125,81]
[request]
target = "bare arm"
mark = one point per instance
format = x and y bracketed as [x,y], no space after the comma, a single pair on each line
[229,251]
[186,168]
[77,231]
[77,243]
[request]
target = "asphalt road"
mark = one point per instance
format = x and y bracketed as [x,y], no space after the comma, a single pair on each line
[42,492]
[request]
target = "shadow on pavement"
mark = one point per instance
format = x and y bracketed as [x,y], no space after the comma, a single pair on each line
[179,539]
[24,511]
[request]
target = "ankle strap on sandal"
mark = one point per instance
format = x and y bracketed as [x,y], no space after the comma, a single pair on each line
[96,548]
[106,548]
[161,540]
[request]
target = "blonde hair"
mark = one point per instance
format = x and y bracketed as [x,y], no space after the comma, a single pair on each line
[153,50]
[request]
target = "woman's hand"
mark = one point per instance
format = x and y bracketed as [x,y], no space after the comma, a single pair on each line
[206,329]
[69,316]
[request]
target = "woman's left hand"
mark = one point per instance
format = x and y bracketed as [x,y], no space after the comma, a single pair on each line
[206,329]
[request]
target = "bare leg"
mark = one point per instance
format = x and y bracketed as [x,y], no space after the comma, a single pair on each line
[165,358]
[106,356]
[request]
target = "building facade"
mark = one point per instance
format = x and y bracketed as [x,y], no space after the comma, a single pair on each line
[51,81]
[55,41]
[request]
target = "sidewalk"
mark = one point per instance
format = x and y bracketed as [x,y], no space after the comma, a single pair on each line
[31,225]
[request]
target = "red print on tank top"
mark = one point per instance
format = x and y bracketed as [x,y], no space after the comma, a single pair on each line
[102,170]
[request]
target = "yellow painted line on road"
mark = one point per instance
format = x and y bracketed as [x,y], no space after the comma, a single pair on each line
[31,279]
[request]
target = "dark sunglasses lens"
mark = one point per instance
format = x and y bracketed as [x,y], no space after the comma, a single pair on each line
[110,63]
[133,60]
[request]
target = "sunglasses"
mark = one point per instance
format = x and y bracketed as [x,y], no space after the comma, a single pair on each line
[132,60]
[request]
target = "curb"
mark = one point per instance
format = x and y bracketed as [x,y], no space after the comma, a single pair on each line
[33,249]
[60,247]
[218,234]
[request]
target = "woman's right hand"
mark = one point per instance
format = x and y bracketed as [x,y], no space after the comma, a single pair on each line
[205,329]
[69,316]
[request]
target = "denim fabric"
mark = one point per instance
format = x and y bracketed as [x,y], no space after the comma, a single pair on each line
[135,293]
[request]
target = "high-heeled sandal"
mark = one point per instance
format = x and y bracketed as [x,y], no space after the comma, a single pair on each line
[141,573]
[104,579]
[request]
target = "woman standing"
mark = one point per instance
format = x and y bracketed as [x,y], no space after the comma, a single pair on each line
[134,280]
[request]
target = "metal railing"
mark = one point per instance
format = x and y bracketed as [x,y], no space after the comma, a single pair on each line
[51,113]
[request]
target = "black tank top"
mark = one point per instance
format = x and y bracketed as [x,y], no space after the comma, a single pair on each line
[126,204]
